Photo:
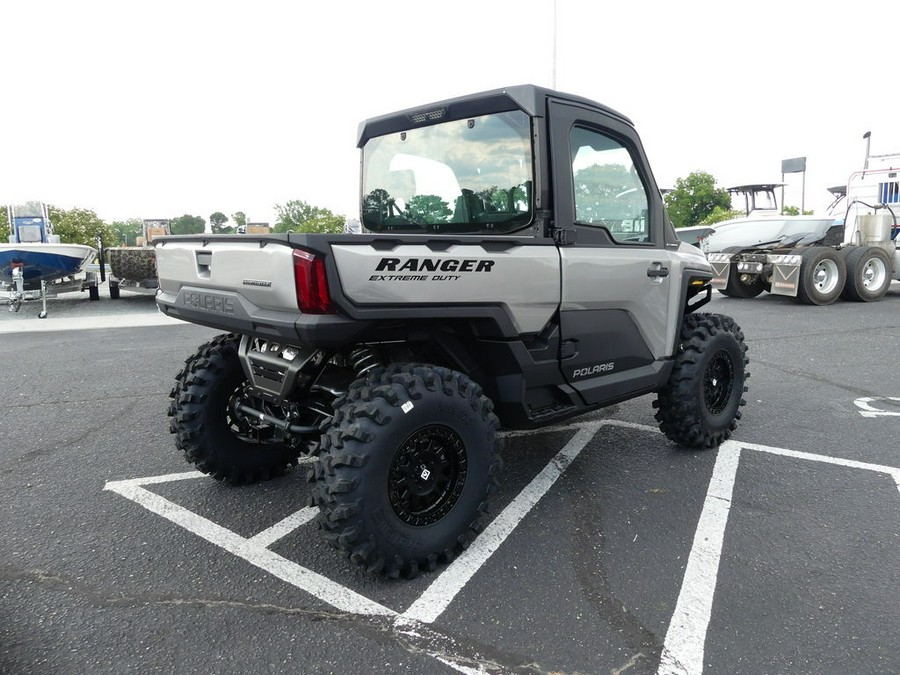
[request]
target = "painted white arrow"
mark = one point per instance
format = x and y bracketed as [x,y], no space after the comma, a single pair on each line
[868,410]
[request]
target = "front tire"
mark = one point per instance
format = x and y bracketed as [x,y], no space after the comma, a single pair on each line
[213,435]
[404,472]
[700,405]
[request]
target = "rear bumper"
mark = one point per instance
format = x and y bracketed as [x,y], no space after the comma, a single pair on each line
[232,312]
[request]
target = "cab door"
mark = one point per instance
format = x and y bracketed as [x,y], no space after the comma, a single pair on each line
[616,285]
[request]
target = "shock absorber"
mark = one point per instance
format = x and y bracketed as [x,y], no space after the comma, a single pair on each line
[363,359]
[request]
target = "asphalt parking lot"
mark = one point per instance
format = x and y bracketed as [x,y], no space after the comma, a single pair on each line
[609,551]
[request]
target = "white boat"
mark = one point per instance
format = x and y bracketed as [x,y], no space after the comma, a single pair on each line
[35,260]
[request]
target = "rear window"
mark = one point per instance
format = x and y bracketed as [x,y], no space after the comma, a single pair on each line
[470,176]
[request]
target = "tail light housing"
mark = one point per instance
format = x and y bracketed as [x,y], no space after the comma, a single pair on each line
[311,283]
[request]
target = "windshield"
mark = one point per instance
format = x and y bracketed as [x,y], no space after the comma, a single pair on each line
[470,176]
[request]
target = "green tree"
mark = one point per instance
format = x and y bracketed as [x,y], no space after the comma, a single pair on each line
[187,224]
[694,198]
[428,209]
[217,222]
[794,211]
[239,218]
[126,232]
[719,214]
[80,226]
[298,216]
[599,190]
[4,225]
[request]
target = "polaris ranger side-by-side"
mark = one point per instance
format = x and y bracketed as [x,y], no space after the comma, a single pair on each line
[516,267]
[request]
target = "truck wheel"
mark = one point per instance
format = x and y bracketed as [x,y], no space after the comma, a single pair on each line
[868,273]
[744,285]
[822,274]
[403,474]
[93,293]
[214,436]
[700,405]
[114,292]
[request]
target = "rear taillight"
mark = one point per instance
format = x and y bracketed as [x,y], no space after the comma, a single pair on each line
[311,284]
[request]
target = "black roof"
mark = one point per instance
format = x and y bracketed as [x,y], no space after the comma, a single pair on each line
[755,187]
[528,97]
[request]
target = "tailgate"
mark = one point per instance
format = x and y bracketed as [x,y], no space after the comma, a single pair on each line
[261,272]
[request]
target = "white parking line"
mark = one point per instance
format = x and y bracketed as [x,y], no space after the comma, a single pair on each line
[685,641]
[866,409]
[892,471]
[438,596]
[336,595]
[684,645]
[284,527]
[686,637]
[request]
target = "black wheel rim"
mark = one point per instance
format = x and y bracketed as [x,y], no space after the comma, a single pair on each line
[718,382]
[427,475]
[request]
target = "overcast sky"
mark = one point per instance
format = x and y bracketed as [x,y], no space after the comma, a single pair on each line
[157,109]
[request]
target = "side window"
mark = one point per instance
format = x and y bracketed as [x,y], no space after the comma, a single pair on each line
[608,189]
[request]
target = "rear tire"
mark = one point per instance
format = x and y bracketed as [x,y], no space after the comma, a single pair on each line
[868,273]
[700,405]
[114,292]
[93,293]
[822,276]
[403,474]
[208,429]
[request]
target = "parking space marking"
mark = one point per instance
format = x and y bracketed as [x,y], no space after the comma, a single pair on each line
[685,641]
[892,471]
[336,595]
[684,645]
[438,596]
[284,527]
[866,409]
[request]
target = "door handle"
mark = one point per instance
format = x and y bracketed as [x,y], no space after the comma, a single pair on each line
[657,270]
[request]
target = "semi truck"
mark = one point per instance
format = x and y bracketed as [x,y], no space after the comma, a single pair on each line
[855,256]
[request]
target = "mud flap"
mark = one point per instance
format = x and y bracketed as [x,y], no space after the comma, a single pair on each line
[721,266]
[785,274]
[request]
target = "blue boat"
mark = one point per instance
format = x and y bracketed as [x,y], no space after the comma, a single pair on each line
[35,259]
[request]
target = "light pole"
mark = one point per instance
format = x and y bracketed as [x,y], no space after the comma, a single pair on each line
[553,58]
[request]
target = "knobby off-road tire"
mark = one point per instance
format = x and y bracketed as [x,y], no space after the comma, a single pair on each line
[700,405]
[822,275]
[212,435]
[404,472]
[868,273]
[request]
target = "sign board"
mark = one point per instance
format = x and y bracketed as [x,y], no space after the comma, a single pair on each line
[795,165]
